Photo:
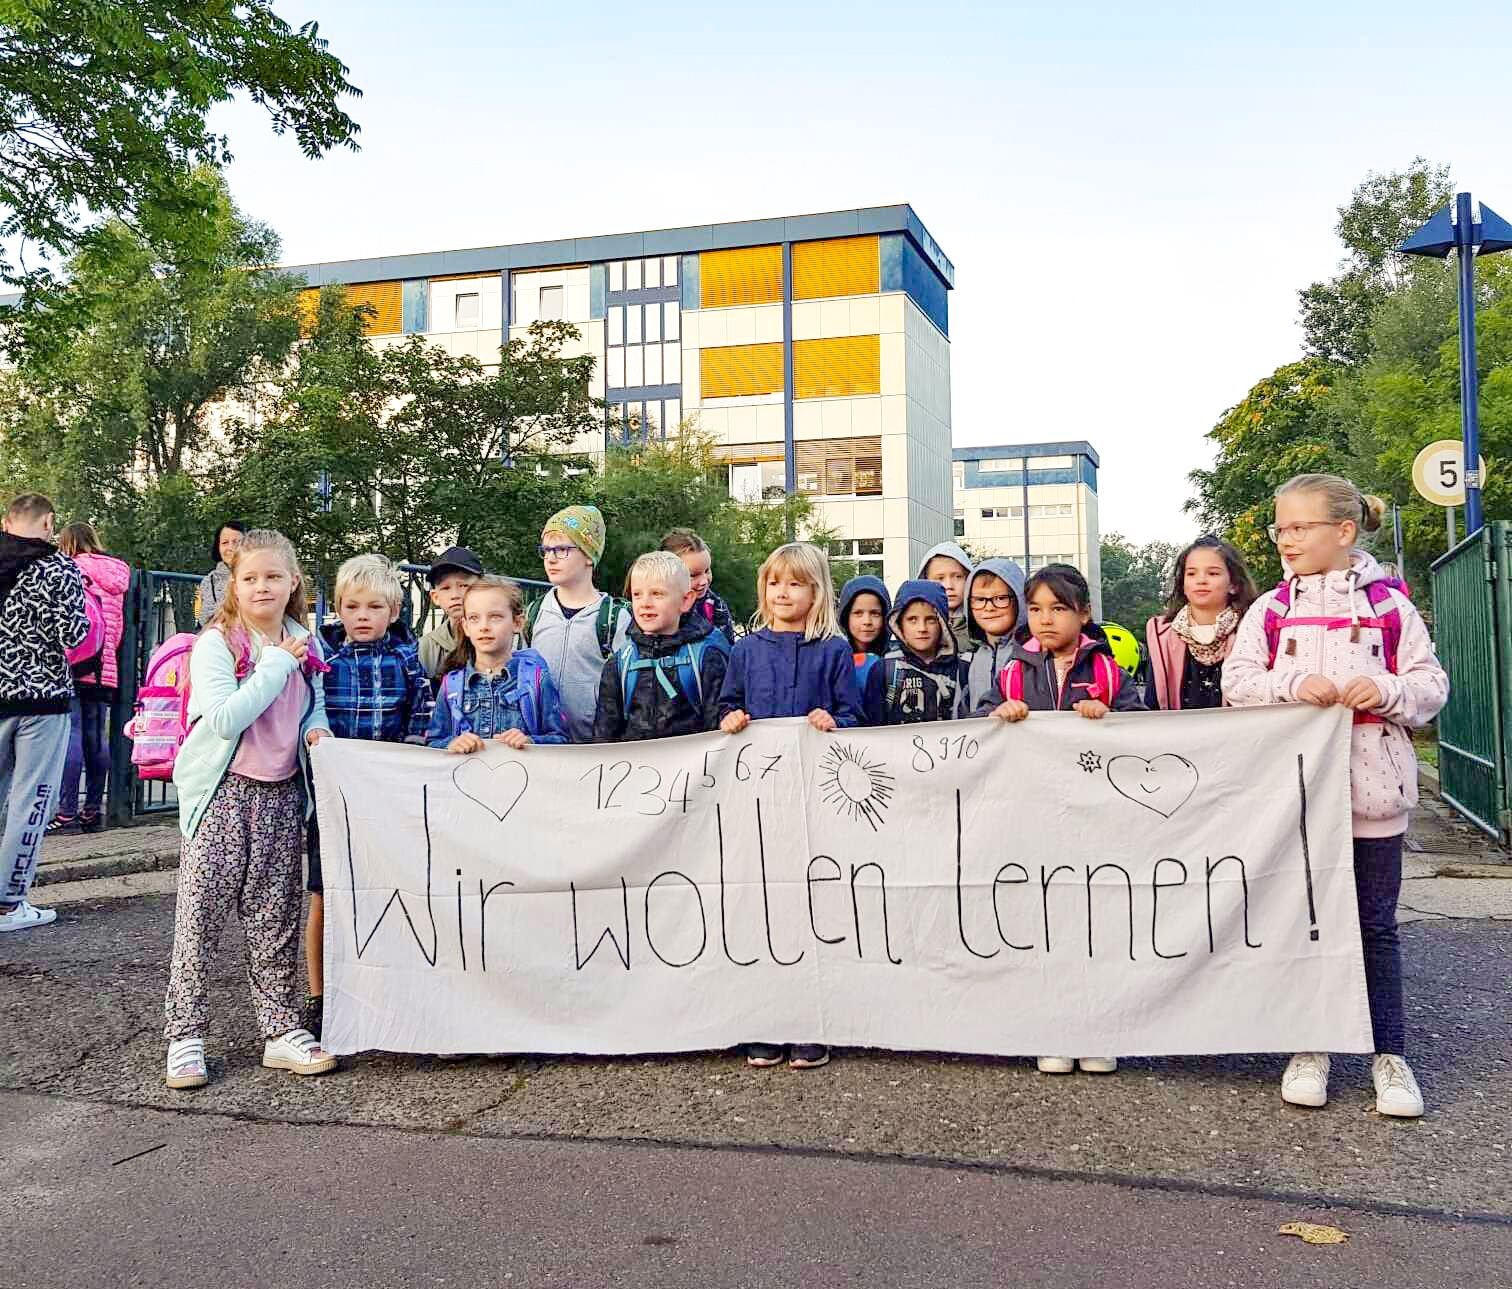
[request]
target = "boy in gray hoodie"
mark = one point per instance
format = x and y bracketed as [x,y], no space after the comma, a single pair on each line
[995,607]
[950,566]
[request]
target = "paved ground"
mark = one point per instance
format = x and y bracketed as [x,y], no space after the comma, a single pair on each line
[899,1169]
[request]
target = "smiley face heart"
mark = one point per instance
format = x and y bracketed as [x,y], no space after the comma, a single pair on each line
[1162,784]
[497,788]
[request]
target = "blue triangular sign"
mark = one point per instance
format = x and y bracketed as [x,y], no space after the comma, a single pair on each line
[1495,232]
[1436,237]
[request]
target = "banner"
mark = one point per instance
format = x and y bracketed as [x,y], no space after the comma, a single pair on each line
[1162,883]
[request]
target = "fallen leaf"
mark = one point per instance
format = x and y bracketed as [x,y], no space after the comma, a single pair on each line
[1314,1233]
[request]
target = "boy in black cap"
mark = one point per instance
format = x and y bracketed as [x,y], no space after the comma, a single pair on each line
[451,573]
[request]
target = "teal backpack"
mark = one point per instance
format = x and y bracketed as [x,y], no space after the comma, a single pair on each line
[686,664]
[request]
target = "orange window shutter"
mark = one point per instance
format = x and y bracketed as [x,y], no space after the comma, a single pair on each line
[839,266]
[309,309]
[387,301]
[749,275]
[736,371]
[837,367]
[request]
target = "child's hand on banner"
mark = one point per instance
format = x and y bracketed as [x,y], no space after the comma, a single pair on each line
[1361,694]
[1318,690]
[1093,709]
[735,722]
[821,720]
[465,743]
[1011,710]
[516,739]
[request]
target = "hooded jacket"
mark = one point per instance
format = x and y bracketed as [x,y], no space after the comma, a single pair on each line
[110,578]
[780,673]
[915,689]
[990,654]
[376,689]
[571,649]
[1382,762]
[41,618]
[868,661]
[958,619]
[652,712]
[1042,691]
[710,606]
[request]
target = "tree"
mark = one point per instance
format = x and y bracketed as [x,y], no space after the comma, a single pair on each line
[103,106]
[422,448]
[1285,425]
[125,377]
[1383,210]
[1135,580]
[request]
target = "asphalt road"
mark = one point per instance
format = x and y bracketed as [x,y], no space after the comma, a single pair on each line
[900,1169]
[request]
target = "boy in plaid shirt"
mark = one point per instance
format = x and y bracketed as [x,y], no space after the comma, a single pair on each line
[375,689]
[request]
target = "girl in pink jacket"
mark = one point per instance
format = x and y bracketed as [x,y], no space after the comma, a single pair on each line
[1339,631]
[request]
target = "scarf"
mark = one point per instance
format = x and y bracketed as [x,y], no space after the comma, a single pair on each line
[1209,650]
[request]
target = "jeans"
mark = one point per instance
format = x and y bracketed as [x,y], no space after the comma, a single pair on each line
[31,758]
[1378,883]
[89,750]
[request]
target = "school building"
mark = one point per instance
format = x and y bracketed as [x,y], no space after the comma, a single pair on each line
[1031,502]
[814,350]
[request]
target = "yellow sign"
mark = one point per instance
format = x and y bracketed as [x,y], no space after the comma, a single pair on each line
[1438,473]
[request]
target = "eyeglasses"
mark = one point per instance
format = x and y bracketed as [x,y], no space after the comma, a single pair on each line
[555,552]
[1296,532]
[997,601]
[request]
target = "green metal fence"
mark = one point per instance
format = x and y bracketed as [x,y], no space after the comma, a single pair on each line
[1472,609]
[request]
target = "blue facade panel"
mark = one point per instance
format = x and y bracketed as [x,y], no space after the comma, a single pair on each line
[598,287]
[925,288]
[415,306]
[687,276]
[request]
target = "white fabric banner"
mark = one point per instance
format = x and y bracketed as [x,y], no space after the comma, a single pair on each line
[1161,883]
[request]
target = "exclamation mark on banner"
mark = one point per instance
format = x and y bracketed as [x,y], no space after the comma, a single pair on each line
[1312,911]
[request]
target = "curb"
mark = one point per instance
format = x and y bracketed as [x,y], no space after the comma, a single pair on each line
[1428,777]
[77,870]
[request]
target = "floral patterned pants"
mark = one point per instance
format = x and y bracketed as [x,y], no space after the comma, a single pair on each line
[245,854]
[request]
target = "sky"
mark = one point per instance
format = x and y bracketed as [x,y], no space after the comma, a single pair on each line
[1131,194]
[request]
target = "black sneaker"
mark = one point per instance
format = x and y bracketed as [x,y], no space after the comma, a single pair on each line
[762,1055]
[313,1014]
[809,1056]
[60,824]
[90,822]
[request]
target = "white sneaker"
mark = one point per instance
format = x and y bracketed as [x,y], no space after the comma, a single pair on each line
[186,1064]
[1306,1079]
[25,916]
[1056,1064]
[1397,1092]
[1098,1064]
[299,1052]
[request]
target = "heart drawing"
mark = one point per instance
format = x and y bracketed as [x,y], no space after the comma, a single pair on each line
[497,788]
[1163,784]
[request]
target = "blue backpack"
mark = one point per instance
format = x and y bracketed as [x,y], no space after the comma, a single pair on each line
[686,663]
[529,676]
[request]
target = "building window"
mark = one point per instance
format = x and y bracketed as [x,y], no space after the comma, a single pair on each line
[469,311]
[553,304]
[853,558]
[996,465]
[958,473]
[840,467]
[960,525]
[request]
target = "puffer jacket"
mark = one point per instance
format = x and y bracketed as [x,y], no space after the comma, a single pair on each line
[110,578]
[989,655]
[1382,762]
[653,713]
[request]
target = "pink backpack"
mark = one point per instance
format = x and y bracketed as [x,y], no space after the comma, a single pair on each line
[87,657]
[1109,679]
[1388,619]
[161,722]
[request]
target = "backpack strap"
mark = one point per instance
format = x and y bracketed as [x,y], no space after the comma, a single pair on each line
[532,615]
[1109,675]
[1389,618]
[1280,600]
[1011,681]
[451,695]
[605,622]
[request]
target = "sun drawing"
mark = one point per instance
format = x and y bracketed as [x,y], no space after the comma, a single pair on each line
[854,785]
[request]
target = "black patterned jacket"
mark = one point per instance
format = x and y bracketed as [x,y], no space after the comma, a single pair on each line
[41,618]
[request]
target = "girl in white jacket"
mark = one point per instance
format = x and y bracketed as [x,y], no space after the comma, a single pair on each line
[1335,625]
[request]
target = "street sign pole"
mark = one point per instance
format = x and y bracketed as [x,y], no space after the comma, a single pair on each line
[1464,241]
[1449,519]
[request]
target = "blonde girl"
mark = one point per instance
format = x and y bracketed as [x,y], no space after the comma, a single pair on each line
[255,707]
[1337,630]
[795,662]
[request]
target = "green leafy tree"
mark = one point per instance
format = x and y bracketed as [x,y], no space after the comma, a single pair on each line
[104,106]
[1135,580]
[125,379]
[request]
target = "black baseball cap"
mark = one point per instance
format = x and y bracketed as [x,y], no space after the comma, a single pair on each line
[454,558]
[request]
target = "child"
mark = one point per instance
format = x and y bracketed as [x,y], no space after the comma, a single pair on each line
[950,566]
[995,610]
[375,689]
[1210,591]
[256,704]
[864,606]
[1326,636]
[1061,667]
[451,573]
[495,691]
[42,598]
[689,547]
[796,664]
[921,674]
[107,579]
[576,628]
[666,678]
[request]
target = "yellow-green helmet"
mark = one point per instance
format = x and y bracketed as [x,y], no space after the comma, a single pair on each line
[1125,647]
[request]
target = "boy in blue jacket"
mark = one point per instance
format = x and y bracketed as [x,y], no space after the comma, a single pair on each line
[922,672]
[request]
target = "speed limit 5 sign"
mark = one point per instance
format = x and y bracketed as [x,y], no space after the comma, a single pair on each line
[1438,473]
